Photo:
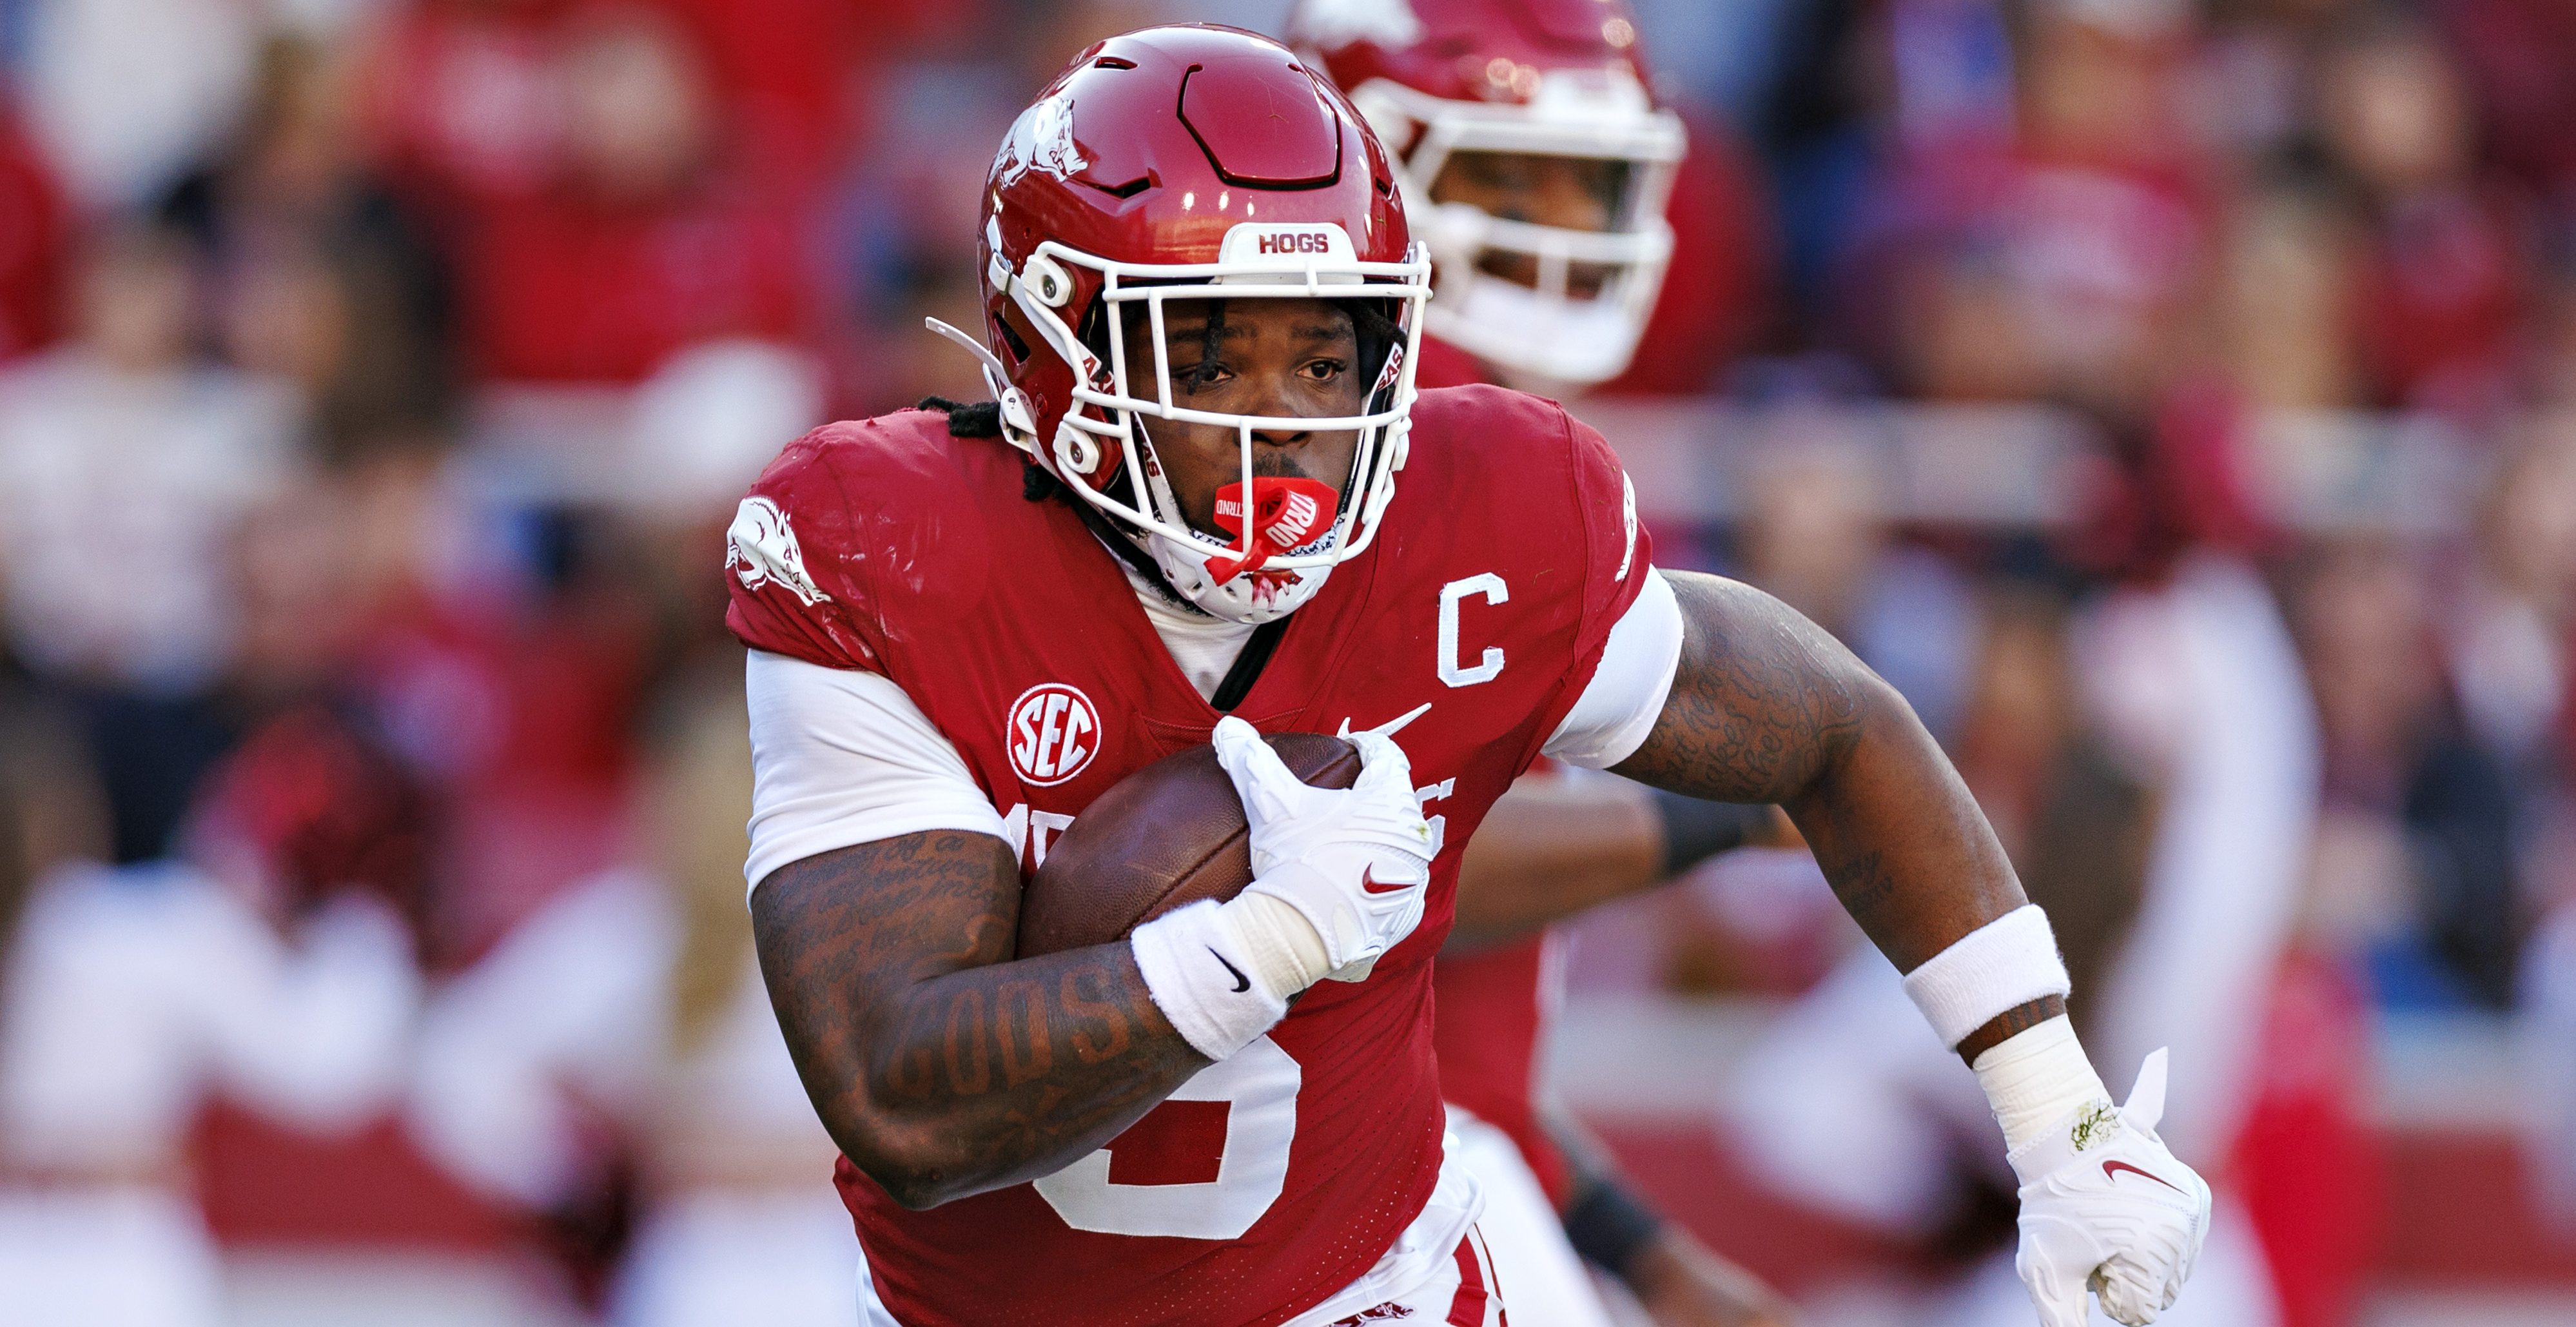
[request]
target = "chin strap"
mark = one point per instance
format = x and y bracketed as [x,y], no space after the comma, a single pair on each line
[1127,551]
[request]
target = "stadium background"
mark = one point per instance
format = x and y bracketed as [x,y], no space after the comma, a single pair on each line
[377,378]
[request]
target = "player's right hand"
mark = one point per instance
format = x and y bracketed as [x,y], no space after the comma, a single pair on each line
[2105,1206]
[1355,862]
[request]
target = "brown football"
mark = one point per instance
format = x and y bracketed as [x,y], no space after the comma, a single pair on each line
[1169,834]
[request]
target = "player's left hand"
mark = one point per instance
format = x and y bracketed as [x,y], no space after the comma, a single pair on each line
[2106,1207]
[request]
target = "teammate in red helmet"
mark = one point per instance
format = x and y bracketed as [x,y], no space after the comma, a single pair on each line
[1535,165]
[1182,522]
[1525,133]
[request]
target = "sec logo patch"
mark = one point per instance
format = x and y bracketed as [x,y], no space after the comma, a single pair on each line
[1054,732]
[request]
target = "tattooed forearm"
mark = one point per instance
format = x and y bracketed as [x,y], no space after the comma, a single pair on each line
[939,1064]
[1766,707]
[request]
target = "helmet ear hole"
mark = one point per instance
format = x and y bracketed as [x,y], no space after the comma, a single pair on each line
[1012,340]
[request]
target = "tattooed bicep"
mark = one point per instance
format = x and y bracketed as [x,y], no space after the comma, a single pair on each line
[1763,699]
[895,911]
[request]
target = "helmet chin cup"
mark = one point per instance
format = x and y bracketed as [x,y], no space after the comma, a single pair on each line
[1540,342]
[1250,598]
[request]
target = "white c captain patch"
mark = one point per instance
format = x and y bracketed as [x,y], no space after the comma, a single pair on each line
[761,549]
[1489,665]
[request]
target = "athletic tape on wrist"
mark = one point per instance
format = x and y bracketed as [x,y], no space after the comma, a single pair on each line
[2004,964]
[1197,971]
[2036,1078]
[1286,950]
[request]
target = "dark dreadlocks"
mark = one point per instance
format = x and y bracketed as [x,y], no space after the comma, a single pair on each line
[984,420]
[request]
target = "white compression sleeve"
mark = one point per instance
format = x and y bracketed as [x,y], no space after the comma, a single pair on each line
[841,757]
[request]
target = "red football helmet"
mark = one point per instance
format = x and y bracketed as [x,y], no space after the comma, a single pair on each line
[1183,163]
[1468,82]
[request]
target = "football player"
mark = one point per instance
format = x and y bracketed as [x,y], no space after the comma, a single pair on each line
[1524,133]
[1535,167]
[1180,522]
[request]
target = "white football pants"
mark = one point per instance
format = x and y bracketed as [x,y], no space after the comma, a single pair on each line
[1546,1280]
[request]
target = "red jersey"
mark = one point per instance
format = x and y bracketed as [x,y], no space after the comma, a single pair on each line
[1282,1174]
[1495,1007]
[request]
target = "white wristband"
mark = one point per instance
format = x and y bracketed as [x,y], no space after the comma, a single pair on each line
[2004,964]
[1207,978]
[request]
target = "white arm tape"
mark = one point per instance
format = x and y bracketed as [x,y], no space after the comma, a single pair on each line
[2006,963]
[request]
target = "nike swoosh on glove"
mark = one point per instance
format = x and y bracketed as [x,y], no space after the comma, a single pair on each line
[2106,1207]
[1332,854]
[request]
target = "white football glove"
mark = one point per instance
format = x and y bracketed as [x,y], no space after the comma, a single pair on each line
[2105,1206]
[1354,862]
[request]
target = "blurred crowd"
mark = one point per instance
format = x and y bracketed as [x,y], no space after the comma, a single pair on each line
[377,378]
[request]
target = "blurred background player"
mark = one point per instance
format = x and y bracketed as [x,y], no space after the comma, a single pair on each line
[624,1030]
[1529,146]
[279,975]
[2149,757]
[1583,238]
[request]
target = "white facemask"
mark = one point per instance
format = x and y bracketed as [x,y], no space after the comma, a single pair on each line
[1540,338]
[1536,342]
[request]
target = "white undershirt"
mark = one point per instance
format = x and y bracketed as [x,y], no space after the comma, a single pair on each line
[1205,647]
[843,757]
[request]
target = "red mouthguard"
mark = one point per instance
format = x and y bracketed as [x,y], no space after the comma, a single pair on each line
[1286,514]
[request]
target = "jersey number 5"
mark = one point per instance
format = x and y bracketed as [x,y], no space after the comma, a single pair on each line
[1233,1123]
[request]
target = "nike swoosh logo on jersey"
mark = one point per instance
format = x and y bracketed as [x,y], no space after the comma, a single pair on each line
[1241,983]
[1392,726]
[2111,1171]
[1369,883]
